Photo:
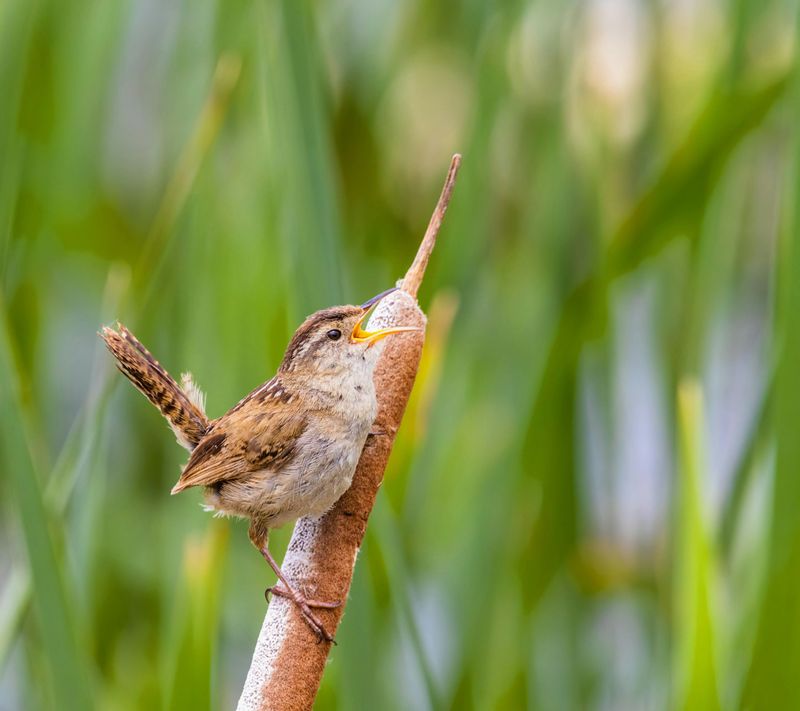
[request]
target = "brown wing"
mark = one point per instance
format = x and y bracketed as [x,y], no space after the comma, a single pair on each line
[249,438]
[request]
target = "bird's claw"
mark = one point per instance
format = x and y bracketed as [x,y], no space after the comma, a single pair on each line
[283,592]
[305,605]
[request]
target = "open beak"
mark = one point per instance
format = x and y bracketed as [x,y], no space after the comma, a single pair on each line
[359,335]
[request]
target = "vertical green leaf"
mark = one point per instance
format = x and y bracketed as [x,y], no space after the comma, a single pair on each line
[310,214]
[696,678]
[195,618]
[772,681]
[67,663]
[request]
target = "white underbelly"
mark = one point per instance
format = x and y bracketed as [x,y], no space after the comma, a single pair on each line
[315,481]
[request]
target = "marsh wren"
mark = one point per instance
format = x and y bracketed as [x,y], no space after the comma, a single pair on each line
[290,447]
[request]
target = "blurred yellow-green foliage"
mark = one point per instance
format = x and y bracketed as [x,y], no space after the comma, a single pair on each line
[594,502]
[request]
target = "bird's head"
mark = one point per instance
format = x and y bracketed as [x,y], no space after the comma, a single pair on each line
[336,339]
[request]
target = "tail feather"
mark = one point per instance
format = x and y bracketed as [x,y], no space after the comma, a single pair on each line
[183,410]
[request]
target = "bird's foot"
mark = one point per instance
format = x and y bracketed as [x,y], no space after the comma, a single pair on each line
[283,592]
[304,605]
[287,591]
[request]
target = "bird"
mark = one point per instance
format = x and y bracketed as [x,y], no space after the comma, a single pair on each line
[289,448]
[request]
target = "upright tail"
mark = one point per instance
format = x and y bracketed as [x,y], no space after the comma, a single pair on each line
[182,408]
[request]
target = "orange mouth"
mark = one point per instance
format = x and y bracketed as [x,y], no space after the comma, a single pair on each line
[359,335]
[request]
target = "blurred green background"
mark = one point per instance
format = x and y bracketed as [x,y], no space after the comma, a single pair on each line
[594,500]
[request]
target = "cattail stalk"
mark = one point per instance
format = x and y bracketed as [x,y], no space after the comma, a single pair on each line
[289,660]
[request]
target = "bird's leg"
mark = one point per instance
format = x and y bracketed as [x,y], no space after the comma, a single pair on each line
[298,598]
[258,536]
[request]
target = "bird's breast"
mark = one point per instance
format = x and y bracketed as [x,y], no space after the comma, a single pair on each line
[326,456]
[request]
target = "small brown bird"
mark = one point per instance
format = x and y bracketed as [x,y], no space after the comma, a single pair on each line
[288,449]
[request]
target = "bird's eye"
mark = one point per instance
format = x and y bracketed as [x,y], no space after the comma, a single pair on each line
[334,334]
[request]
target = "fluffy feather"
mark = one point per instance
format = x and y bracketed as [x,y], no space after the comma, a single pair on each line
[196,396]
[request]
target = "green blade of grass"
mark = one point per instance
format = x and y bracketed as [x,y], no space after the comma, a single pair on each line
[209,122]
[696,679]
[772,677]
[16,25]
[388,538]
[190,665]
[67,661]
[310,216]
[13,607]
[75,453]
